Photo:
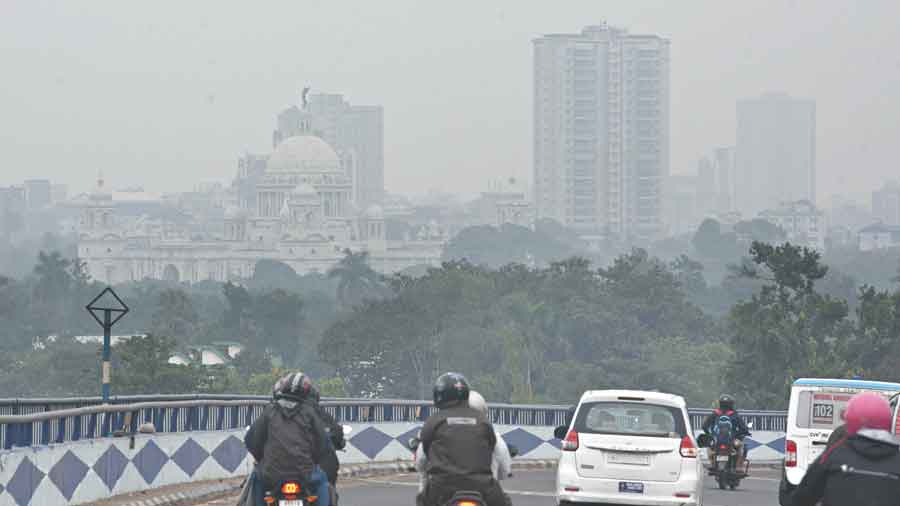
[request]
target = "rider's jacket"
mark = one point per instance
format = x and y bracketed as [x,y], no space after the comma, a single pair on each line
[860,470]
[740,428]
[286,441]
[458,441]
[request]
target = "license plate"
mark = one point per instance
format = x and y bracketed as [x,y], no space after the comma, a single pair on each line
[631,487]
[631,459]
[292,502]
[722,458]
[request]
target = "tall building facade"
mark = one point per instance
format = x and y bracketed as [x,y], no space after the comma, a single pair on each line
[886,203]
[776,152]
[601,130]
[355,131]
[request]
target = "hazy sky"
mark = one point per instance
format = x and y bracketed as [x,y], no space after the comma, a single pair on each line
[167,94]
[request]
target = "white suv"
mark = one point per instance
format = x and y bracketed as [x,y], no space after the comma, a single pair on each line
[629,447]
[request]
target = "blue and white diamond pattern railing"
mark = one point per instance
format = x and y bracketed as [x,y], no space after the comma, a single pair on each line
[62,457]
[85,471]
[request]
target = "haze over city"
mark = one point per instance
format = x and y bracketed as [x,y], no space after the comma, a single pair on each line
[166,95]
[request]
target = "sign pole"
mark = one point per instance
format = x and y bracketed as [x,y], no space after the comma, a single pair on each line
[102,308]
[107,366]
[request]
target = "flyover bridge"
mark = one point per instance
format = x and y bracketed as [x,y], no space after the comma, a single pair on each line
[77,450]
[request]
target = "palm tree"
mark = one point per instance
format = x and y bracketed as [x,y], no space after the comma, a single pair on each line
[356,279]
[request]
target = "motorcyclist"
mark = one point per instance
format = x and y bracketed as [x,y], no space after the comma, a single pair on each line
[862,468]
[727,408]
[288,440]
[501,465]
[329,461]
[458,442]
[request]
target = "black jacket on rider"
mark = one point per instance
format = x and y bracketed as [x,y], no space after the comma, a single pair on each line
[860,470]
[740,428]
[286,441]
[458,442]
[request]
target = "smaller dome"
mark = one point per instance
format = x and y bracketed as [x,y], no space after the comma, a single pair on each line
[100,193]
[374,212]
[304,190]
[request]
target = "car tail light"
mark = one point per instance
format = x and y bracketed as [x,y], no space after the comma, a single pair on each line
[790,453]
[570,443]
[688,448]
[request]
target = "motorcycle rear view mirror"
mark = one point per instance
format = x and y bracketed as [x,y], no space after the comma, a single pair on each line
[347,429]
[560,432]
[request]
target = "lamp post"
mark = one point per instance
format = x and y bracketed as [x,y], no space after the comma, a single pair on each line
[107,309]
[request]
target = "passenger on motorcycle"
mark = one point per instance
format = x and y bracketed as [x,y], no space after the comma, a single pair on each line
[329,461]
[501,465]
[739,428]
[860,469]
[458,443]
[288,440]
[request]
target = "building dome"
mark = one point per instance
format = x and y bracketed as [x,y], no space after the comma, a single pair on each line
[303,153]
[100,192]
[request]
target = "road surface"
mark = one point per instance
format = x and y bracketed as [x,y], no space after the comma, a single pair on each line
[533,488]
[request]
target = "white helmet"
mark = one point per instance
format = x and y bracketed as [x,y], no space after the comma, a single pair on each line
[476,401]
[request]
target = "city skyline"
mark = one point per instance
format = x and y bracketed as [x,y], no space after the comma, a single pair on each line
[211,79]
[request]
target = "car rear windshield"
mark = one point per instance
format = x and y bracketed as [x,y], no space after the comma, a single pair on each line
[630,418]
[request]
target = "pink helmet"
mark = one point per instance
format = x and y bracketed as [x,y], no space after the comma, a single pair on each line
[867,410]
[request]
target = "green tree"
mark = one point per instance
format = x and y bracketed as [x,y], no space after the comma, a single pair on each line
[142,367]
[278,316]
[175,315]
[356,280]
[787,329]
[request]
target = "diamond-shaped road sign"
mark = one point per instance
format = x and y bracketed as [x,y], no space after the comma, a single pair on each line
[107,301]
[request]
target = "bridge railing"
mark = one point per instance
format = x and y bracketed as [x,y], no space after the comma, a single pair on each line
[31,422]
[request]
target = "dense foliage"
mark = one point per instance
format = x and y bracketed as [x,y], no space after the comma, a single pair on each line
[511,307]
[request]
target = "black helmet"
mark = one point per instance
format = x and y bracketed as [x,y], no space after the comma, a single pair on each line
[295,386]
[726,402]
[449,389]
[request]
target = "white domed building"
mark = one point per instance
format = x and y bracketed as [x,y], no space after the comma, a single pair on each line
[303,214]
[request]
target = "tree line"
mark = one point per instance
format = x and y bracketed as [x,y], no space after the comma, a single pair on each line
[532,330]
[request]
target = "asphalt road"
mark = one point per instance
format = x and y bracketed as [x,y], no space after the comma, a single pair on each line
[534,488]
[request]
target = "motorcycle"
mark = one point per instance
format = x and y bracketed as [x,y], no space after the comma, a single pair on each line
[723,462]
[293,492]
[461,497]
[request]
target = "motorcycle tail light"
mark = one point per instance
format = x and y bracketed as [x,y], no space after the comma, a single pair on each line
[467,503]
[290,488]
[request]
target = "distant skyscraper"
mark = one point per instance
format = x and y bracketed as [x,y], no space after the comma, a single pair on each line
[38,193]
[356,129]
[601,130]
[724,158]
[356,133]
[776,152]
[886,203]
